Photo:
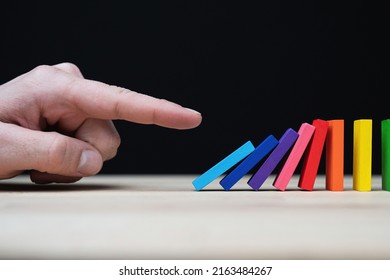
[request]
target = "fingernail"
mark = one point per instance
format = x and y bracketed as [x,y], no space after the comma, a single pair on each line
[90,163]
[192,110]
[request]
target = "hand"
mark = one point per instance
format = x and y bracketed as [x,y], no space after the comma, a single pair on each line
[58,125]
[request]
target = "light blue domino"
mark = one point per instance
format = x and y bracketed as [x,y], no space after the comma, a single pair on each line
[223,166]
[265,147]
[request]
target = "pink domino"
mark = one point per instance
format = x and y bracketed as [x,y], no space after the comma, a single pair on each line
[304,135]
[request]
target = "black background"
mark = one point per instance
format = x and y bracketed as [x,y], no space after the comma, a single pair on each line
[251,68]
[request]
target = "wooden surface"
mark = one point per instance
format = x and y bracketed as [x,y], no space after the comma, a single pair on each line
[163,217]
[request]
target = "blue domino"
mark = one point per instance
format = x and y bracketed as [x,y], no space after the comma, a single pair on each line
[247,164]
[223,166]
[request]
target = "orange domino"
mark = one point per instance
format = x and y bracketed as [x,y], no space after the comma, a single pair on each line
[312,157]
[334,156]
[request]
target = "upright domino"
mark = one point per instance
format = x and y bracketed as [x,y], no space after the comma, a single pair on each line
[362,155]
[312,156]
[247,164]
[285,144]
[334,156]
[385,145]
[305,133]
[223,166]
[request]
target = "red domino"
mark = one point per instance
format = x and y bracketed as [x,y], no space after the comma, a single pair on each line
[313,155]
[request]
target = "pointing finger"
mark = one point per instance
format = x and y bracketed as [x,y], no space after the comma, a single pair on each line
[99,100]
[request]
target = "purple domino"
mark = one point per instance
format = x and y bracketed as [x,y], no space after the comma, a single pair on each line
[285,143]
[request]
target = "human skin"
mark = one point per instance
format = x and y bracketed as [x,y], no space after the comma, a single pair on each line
[58,125]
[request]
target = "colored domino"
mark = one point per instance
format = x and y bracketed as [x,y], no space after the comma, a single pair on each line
[305,133]
[334,156]
[247,164]
[285,143]
[222,166]
[312,156]
[385,157]
[362,155]
[308,144]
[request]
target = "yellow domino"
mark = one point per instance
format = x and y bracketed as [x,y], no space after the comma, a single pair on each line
[362,155]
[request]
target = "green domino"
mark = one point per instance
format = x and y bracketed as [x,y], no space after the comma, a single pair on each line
[385,139]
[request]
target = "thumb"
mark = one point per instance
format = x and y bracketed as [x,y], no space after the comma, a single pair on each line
[50,152]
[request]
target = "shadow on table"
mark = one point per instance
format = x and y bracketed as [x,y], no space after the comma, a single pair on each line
[74,187]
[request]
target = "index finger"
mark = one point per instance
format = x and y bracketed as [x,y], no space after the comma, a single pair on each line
[103,101]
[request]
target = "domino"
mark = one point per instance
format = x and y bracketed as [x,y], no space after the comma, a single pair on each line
[285,143]
[222,166]
[385,145]
[305,133]
[247,164]
[308,145]
[312,156]
[362,155]
[334,156]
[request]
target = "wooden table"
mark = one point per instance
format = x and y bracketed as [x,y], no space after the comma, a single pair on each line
[163,217]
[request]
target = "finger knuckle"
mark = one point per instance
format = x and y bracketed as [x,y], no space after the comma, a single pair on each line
[111,144]
[114,143]
[71,68]
[38,77]
[42,71]
[59,151]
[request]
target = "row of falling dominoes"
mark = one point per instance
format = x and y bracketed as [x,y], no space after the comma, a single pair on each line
[307,145]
